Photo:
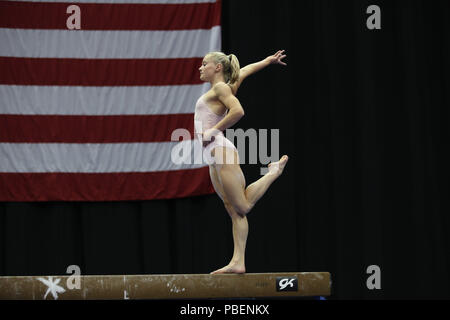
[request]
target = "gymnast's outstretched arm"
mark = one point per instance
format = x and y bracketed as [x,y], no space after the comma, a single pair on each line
[257,66]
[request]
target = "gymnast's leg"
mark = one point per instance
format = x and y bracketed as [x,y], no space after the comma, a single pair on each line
[233,182]
[240,229]
[240,200]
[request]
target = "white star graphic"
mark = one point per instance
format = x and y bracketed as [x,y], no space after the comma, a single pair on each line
[52,287]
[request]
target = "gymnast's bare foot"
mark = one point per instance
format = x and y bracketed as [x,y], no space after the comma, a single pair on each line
[231,268]
[278,167]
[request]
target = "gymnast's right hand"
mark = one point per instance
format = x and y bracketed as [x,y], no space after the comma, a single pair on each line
[277,57]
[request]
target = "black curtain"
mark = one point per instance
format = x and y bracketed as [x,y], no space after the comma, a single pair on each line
[363,115]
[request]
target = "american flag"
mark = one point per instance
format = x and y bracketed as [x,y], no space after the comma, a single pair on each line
[87,114]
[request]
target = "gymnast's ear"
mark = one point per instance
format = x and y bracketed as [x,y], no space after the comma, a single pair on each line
[219,67]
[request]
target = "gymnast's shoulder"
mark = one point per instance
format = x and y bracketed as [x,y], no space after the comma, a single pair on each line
[223,89]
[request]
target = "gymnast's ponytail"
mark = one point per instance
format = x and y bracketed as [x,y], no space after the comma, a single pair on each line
[235,69]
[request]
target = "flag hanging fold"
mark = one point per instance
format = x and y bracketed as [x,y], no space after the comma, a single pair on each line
[88,114]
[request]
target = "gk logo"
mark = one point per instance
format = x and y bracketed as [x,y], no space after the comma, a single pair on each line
[287,284]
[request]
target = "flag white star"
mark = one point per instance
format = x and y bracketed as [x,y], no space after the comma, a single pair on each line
[52,287]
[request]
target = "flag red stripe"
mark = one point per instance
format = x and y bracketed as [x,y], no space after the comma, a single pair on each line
[92,129]
[104,186]
[110,16]
[99,72]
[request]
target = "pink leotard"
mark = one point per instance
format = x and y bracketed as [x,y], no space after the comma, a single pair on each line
[206,119]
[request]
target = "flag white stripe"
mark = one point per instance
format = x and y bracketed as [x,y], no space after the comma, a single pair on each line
[109,44]
[99,158]
[97,101]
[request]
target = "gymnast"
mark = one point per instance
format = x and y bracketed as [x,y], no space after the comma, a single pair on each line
[215,111]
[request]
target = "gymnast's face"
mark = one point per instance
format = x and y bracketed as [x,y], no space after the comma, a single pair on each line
[208,69]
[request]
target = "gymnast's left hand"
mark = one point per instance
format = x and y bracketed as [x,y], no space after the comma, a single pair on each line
[208,136]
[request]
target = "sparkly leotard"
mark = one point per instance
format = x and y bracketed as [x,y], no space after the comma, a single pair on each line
[206,119]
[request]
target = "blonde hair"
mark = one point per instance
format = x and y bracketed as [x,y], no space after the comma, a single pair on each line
[230,63]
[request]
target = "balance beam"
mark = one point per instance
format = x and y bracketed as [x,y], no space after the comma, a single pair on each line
[193,286]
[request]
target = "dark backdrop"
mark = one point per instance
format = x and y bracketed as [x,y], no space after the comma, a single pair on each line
[363,116]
